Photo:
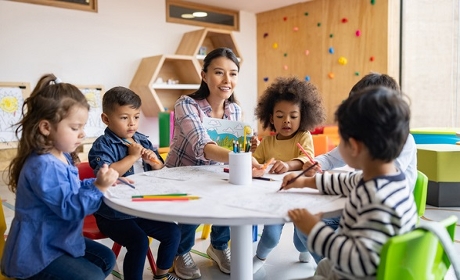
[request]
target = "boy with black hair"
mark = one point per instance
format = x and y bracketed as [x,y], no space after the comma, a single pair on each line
[373,127]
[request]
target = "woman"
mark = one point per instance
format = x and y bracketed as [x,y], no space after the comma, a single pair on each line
[192,145]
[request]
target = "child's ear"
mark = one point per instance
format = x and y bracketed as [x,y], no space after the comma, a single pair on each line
[271,119]
[355,146]
[105,118]
[45,127]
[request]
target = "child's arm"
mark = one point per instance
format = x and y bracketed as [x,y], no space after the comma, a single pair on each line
[280,167]
[301,182]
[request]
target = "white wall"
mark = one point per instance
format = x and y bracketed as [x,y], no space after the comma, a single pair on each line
[430,68]
[105,48]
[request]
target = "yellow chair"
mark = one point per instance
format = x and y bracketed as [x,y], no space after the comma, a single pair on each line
[424,253]
[206,231]
[2,239]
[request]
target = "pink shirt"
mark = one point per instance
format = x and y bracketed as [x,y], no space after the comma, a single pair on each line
[190,136]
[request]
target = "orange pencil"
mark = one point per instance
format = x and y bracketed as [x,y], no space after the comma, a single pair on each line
[305,152]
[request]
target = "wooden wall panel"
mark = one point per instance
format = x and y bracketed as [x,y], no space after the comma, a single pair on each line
[305,32]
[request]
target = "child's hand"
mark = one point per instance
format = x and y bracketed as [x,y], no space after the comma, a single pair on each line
[135,149]
[314,170]
[256,164]
[151,158]
[303,219]
[254,143]
[279,167]
[257,172]
[106,177]
[298,183]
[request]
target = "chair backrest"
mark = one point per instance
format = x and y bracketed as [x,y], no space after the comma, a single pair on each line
[420,191]
[416,255]
[85,171]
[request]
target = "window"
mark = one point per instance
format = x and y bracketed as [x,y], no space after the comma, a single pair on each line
[201,15]
[84,5]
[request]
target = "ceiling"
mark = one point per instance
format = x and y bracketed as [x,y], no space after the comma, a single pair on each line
[253,6]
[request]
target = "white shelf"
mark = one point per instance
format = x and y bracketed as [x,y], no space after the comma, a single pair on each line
[175,86]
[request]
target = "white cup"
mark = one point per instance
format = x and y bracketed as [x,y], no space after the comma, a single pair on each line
[240,165]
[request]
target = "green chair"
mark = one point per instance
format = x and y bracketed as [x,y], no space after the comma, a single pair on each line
[420,190]
[424,253]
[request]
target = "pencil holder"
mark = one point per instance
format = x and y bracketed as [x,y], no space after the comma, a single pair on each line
[240,172]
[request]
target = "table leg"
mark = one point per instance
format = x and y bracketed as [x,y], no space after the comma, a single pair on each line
[241,267]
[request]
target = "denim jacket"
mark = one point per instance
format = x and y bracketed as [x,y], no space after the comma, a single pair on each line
[110,148]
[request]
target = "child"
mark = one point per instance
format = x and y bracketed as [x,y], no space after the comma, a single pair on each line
[45,239]
[291,108]
[373,127]
[406,161]
[128,151]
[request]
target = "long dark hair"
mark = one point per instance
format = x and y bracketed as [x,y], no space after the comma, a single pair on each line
[203,90]
[50,100]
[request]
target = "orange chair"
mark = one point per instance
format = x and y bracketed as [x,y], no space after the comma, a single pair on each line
[90,229]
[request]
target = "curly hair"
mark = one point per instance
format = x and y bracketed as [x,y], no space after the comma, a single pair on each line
[303,93]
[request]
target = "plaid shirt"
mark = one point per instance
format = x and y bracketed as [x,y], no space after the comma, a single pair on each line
[190,136]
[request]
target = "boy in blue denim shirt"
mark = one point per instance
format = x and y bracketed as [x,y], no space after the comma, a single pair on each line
[128,152]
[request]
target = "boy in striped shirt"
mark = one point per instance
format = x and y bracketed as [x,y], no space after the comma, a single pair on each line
[373,127]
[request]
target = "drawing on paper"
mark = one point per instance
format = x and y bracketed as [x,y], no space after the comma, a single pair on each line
[94,127]
[223,132]
[11,101]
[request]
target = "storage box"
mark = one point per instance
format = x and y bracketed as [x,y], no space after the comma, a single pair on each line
[441,164]
[442,194]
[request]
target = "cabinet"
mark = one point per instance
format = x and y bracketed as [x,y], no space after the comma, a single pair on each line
[160,80]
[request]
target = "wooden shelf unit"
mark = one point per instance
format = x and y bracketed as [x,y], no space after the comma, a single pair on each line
[184,67]
[156,97]
[210,39]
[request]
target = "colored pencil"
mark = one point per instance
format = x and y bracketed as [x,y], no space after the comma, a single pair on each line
[305,152]
[167,194]
[166,198]
[300,174]
[263,178]
[126,183]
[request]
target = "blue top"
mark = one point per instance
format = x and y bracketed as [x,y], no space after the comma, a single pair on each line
[51,203]
[110,148]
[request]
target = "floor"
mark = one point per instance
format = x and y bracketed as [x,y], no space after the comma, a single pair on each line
[282,263]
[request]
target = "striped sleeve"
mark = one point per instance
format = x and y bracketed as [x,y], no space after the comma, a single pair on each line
[375,211]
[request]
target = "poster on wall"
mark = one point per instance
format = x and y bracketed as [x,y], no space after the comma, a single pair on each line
[94,126]
[12,96]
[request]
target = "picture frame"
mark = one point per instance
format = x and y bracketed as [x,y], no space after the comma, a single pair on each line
[83,5]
